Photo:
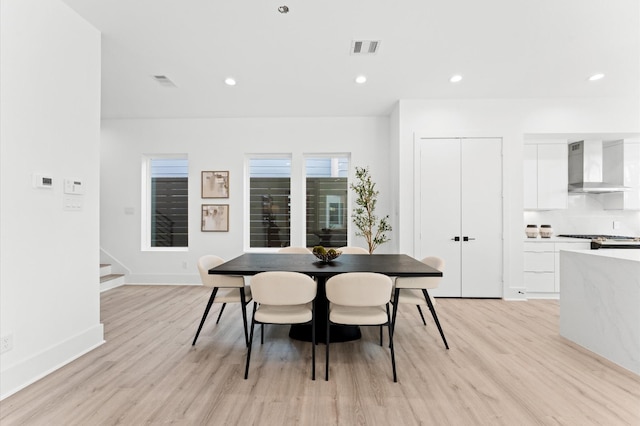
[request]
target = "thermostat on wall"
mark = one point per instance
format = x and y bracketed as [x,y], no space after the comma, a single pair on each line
[73,186]
[42,181]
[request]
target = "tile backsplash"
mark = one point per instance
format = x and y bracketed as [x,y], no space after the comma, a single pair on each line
[586,215]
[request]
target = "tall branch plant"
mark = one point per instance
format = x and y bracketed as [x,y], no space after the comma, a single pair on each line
[364,218]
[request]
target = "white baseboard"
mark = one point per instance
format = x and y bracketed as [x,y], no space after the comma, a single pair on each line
[20,375]
[516,294]
[163,284]
[166,279]
[546,296]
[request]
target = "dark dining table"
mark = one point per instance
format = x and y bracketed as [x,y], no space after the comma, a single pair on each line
[396,265]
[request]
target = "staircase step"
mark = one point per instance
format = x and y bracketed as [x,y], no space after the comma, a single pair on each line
[110,281]
[110,277]
[105,269]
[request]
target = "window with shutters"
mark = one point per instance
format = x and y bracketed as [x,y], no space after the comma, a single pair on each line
[269,201]
[326,203]
[166,206]
[323,210]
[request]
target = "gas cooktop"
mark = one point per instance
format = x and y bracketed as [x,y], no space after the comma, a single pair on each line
[609,241]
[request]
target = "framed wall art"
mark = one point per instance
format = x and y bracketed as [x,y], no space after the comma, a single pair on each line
[215,217]
[215,184]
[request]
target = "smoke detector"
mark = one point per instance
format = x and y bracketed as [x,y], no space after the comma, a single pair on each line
[365,47]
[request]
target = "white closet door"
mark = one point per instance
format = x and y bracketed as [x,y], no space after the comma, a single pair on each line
[440,209]
[481,195]
[460,190]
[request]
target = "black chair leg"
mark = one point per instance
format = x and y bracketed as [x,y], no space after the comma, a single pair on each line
[395,309]
[421,316]
[313,342]
[206,312]
[382,325]
[435,316]
[243,305]
[393,355]
[253,323]
[224,305]
[326,356]
[262,334]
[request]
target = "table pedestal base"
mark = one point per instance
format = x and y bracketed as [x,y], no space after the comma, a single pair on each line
[339,333]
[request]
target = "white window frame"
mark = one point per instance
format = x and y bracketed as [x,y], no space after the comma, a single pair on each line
[298,188]
[247,200]
[145,208]
[305,156]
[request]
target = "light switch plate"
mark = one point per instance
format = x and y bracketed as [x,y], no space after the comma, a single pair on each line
[73,203]
[73,186]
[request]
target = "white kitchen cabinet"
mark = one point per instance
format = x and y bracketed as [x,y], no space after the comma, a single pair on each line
[542,266]
[530,176]
[459,213]
[539,267]
[545,169]
[621,165]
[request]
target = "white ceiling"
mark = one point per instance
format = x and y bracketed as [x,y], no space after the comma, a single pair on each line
[298,64]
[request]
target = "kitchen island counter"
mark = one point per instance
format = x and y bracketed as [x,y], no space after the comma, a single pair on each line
[600,303]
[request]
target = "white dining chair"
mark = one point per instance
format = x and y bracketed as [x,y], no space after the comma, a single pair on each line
[359,298]
[283,297]
[415,291]
[224,289]
[353,250]
[294,250]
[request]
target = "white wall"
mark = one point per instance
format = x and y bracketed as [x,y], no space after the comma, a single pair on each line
[220,144]
[586,215]
[511,120]
[50,122]
[385,144]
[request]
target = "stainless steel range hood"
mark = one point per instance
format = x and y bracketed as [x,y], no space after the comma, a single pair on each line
[586,169]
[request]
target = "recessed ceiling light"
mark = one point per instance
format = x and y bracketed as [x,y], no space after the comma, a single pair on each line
[595,77]
[283,9]
[230,81]
[361,79]
[456,78]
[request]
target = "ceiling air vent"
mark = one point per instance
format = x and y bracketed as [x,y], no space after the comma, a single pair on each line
[365,47]
[163,80]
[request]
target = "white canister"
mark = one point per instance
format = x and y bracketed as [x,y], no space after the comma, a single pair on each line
[546,231]
[531,231]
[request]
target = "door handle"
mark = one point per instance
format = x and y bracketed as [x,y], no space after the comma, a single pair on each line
[468,239]
[455,239]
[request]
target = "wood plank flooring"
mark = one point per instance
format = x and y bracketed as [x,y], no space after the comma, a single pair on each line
[507,366]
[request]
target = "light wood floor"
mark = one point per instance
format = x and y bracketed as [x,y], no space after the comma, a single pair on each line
[507,366]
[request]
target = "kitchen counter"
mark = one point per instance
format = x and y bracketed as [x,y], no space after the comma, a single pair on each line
[600,303]
[623,254]
[555,240]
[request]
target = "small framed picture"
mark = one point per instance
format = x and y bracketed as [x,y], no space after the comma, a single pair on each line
[215,184]
[215,218]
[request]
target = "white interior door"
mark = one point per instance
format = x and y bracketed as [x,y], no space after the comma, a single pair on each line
[460,189]
[481,206]
[439,204]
